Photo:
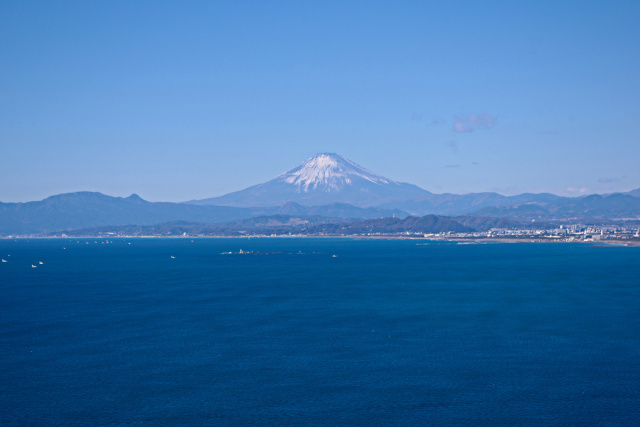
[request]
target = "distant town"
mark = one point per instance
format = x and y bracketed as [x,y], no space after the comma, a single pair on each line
[627,235]
[571,233]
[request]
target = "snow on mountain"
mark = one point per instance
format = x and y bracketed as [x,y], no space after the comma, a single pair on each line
[328,172]
[322,179]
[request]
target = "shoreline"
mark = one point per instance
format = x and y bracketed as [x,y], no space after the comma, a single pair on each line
[458,240]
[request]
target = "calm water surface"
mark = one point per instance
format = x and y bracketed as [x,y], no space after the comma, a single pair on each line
[385,333]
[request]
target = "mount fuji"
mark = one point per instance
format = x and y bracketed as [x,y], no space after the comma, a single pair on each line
[320,180]
[324,186]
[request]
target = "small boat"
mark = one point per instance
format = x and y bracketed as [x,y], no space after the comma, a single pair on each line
[172,256]
[33,266]
[4,260]
[334,256]
[40,262]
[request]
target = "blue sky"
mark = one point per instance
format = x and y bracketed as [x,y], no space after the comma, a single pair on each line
[184,100]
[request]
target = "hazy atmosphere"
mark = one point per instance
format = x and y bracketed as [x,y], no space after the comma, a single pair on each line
[179,101]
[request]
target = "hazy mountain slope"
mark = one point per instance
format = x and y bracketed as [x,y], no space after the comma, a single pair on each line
[579,208]
[459,204]
[483,223]
[634,193]
[339,210]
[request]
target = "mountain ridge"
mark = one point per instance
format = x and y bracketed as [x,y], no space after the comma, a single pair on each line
[322,186]
[330,178]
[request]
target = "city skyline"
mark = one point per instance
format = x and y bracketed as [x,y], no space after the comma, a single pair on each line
[177,102]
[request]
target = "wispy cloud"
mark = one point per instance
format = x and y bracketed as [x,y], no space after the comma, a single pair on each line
[577,190]
[611,180]
[473,122]
[451,166]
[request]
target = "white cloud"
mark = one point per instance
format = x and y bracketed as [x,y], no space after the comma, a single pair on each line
[577,190]
[473,122]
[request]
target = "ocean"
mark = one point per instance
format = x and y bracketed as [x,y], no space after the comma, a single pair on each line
[305,331]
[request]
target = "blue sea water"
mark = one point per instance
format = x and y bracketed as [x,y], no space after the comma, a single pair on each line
[385,333]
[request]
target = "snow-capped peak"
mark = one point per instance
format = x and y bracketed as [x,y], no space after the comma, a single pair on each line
[328,172]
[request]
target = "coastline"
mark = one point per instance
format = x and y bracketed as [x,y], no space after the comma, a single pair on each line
[458,240]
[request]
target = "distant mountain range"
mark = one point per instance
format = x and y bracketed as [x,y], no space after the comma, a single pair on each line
[324,186]
[582,208]
[86,209]
[328,177]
